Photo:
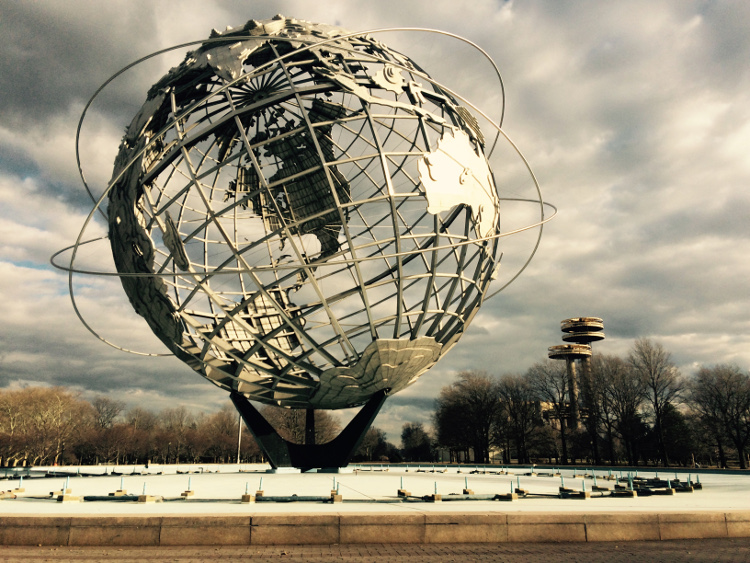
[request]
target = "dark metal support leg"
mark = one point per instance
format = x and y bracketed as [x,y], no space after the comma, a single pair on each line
[269,441]
[310,427]
[282,453]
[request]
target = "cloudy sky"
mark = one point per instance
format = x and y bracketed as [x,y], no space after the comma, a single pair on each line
[635,117]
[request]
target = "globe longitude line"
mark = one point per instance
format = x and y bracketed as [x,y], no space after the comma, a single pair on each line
[334,194]
[431,285]
[196,286]
[317,346]
[356,205]
[230,318]
[445,306]
[393,215]
[452,252]
[289,237]
[213,298]
[390,129]
[417,221]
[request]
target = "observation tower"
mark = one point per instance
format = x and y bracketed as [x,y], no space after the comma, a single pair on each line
[579,333]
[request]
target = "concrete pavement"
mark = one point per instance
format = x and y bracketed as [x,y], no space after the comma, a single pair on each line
[687,551]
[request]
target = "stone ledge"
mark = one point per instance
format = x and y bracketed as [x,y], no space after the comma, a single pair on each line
[694,525]
[738,524]
[381,528]
[364,528]
[295,529]
[466,528]
[622,527]
[148,535]
[544,527]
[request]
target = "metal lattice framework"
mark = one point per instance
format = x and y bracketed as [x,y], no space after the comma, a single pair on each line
[303,216]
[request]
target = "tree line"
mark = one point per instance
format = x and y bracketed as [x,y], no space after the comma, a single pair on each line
[55,426]
[635,410]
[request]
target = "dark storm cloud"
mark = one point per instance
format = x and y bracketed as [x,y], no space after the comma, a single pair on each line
[57,53]
[16,162]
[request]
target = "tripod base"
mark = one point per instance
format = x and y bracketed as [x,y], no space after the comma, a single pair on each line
[282,453]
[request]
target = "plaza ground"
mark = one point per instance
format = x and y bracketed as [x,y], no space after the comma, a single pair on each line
[686,551]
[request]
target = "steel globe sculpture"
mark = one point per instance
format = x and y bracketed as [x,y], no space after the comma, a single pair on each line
[306,219]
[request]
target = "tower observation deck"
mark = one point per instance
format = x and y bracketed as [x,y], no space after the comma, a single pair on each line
[579,333]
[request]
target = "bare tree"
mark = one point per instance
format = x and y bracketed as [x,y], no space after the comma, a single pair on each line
[11,413]
[109,444]
[141,418]
[625,396]
[106,411]
[212,435]
[466,413]
[721,396]
[174,424]
[520,408]
[452,424]
[376,447]
[597,404]
[663,382]
[143,426]
[373,439]
[39,423]
[549,380]
[416,443]
[42,425]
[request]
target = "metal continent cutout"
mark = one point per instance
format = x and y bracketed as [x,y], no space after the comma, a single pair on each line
[456,174]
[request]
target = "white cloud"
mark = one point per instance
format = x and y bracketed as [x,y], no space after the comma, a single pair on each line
[34,223]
